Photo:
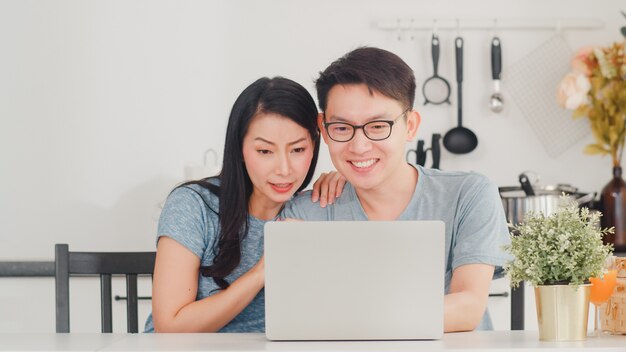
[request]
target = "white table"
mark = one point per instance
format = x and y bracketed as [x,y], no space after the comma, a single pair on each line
[517,341]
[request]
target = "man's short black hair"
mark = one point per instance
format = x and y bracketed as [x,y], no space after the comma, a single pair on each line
[380,70]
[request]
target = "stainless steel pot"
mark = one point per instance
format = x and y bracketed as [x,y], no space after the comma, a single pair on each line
[517,203]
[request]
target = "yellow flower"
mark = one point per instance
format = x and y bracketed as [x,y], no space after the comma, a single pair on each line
[605,101]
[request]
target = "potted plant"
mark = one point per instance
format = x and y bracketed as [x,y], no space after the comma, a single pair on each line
[557,254]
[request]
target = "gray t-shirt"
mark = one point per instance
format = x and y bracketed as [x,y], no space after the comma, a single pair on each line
[468,203]
[190,217]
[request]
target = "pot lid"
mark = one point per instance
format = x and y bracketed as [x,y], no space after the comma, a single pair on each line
[527,188]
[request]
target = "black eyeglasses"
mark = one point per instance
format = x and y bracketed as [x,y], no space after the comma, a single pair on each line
[376,130]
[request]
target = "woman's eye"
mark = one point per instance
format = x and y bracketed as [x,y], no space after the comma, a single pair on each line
[299,150]
[264,151]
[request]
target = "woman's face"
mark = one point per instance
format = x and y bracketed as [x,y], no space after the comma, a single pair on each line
[277,153]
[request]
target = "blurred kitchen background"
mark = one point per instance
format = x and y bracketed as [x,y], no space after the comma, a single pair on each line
[105,104]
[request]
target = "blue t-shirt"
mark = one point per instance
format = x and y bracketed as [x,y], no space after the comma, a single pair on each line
[190,216]
[468,203]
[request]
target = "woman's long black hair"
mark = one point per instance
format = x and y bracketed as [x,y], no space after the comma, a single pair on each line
[276,95]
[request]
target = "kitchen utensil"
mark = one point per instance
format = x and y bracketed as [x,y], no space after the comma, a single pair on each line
[435,150]
[532,83]
[526,186]
[459,140]
[436,89]
[421,153]
[546,199]
[496,101]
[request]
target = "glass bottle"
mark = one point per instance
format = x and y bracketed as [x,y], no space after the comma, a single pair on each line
[613,201]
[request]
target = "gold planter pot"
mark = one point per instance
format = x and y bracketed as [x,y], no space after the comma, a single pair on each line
[562,312]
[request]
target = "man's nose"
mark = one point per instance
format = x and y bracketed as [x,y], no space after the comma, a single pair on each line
[360,143]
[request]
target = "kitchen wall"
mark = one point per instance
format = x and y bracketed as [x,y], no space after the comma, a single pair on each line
[103,103]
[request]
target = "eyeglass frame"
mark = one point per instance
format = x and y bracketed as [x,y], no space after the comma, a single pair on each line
[362,127]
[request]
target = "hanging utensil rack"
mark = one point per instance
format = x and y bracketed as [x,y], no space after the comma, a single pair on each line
[408,24]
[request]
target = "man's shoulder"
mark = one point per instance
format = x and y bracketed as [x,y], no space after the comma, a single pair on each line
[456,179]
[301,206]
[301,198]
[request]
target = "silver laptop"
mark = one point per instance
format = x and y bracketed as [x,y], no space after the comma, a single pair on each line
[354,280]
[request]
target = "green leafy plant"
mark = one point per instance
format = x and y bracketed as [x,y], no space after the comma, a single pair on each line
[563,248]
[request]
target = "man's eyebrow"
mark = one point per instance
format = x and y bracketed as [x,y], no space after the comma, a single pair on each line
[335,118]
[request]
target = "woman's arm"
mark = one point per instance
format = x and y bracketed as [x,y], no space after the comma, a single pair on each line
[175,286]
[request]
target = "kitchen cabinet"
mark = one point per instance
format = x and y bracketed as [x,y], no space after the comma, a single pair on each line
[500,305]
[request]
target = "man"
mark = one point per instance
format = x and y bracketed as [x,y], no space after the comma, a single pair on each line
[366,98]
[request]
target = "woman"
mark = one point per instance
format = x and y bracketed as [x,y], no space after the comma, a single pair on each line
[209,272]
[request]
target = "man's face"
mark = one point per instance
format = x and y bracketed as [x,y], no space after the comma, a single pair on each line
[368,164]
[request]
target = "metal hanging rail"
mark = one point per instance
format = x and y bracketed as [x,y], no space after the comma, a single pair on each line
[434,24]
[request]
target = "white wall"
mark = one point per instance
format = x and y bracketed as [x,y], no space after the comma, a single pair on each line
[102,103]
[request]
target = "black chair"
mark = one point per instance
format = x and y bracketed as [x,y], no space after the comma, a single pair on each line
[104,264]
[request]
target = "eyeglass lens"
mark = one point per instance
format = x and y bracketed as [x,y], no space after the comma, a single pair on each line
[374,130]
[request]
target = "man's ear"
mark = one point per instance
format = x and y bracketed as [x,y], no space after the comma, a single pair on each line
[413,120]
[320,125]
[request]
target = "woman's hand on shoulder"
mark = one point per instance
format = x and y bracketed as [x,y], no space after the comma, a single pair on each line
[328,187]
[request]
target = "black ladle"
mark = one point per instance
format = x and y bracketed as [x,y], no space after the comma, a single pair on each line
[459,140]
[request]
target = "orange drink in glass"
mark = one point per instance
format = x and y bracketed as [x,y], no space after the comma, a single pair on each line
[601,290]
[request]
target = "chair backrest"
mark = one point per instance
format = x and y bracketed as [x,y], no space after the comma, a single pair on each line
[104,264]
